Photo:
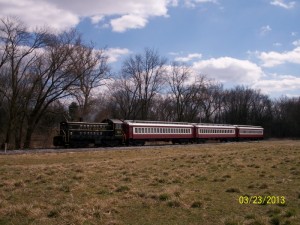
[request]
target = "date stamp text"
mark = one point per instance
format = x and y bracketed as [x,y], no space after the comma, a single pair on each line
[262,200]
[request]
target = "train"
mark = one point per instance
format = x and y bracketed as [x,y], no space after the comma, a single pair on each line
[116,132]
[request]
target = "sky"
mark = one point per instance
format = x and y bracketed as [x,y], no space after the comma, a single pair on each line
[255,43]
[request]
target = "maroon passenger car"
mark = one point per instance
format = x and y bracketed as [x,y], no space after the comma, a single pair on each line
[220,132]
[246,132]
[137,132]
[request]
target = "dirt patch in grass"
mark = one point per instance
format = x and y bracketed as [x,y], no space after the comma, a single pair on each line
[188,184]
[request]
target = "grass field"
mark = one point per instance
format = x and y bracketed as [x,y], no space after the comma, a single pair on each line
[187,184]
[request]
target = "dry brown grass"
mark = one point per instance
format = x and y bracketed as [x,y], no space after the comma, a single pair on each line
[189,184]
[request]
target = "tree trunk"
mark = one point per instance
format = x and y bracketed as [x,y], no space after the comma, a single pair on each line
[29,132]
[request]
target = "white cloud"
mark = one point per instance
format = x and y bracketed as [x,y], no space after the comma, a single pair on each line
[39,13]
[277,44]
[296,43]
[128,22]
[193,3]
[231,70]
[265,30]
[283,4]
[62,15]
[271,59]
[96,19]
[189,57]
[115,53]
[278,83]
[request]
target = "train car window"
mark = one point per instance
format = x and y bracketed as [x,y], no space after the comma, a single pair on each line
[142,130]
[135,130]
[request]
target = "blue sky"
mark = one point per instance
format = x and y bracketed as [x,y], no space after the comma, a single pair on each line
[237,42]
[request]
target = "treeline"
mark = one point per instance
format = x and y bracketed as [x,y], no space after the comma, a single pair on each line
[42,72]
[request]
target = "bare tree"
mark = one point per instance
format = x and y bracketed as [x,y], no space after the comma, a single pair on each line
[53,74]
[146,71]
[177,79]
[211,104]
[125,98]
[17,55]
[92,71]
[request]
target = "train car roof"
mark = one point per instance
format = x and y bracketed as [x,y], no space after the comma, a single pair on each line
[157,123]
[223,126]
[248,127]
[83,123]
[113,121]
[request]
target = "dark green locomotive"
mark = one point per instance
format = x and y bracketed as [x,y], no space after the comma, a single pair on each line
[83,134]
